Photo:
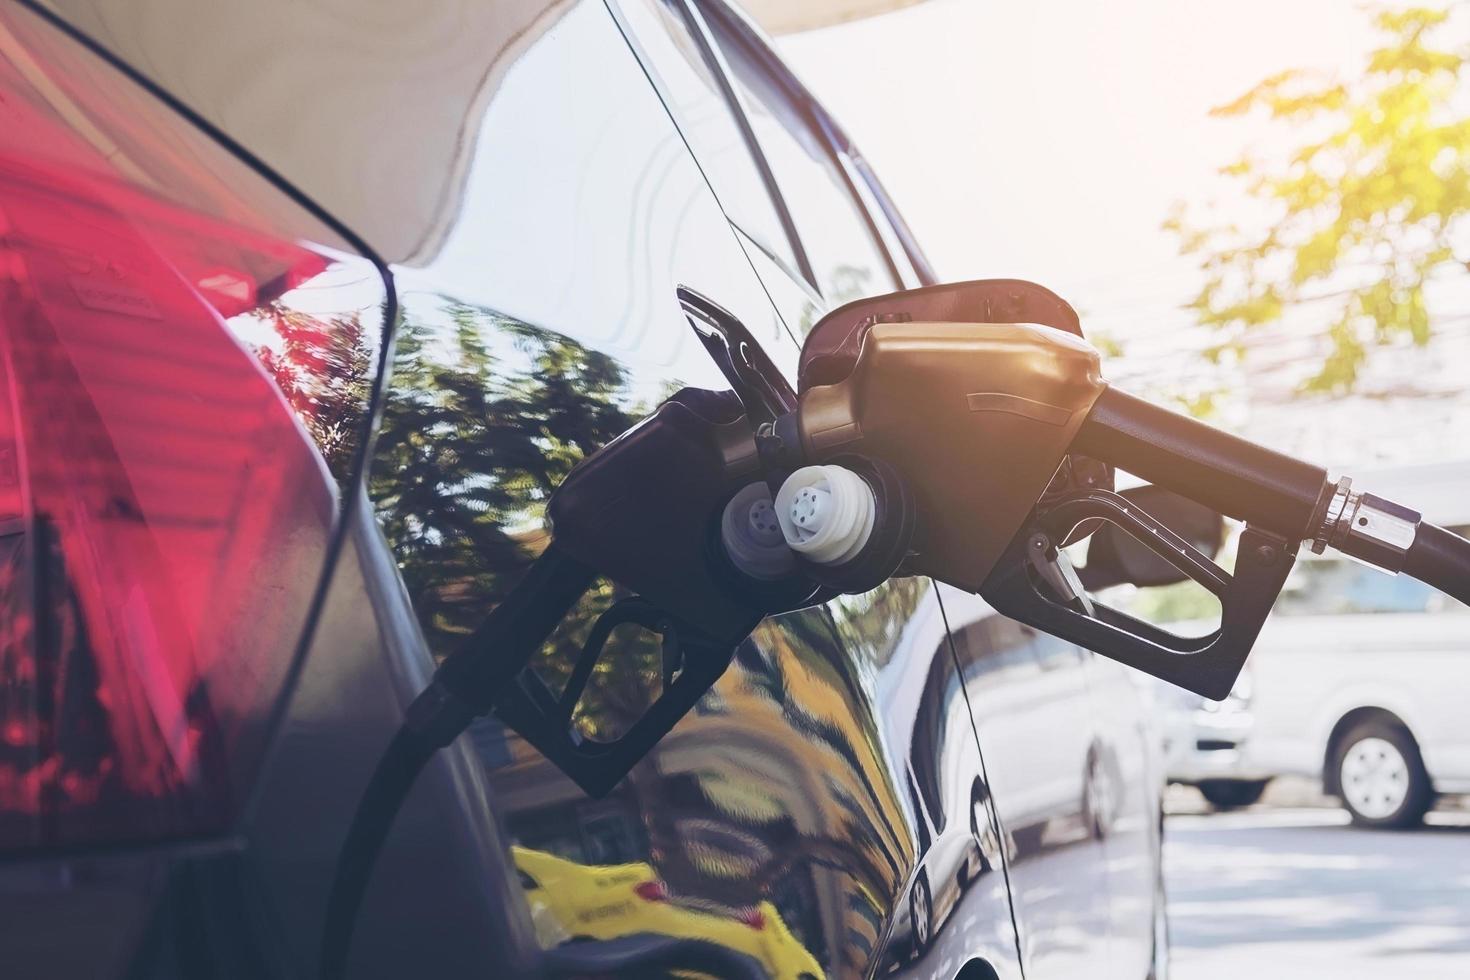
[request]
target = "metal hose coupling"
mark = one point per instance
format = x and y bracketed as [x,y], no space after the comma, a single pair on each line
[1367,527]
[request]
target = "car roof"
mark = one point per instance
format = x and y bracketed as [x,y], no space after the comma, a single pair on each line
[370,108]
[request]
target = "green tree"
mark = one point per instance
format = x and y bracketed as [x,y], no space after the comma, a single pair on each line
[484,418]
[1364,208]
[325,371]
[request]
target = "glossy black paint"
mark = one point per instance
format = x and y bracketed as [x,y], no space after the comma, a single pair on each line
[778,786]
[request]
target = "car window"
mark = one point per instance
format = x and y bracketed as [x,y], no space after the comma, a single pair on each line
[893,244]
[896,234]
[664,38]
[846,259]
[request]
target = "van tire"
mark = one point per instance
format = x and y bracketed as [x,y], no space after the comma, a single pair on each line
[1378,754]
[1232,794]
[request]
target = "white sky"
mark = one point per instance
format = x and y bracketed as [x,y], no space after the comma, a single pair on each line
[1048,139]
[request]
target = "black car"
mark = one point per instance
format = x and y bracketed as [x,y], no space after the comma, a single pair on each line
[307,311]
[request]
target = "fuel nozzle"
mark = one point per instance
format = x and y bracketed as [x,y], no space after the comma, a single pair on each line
[950,432]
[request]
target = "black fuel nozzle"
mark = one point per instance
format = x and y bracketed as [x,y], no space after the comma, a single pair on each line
[673,515]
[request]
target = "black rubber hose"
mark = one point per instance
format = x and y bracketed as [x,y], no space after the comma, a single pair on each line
[394,776]
[1441,559]
[464,686]
[1224,472]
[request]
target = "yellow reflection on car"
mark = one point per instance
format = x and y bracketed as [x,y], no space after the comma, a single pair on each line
[576,902]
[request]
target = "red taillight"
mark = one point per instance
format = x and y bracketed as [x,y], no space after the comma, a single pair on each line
[166,407]
[652,891]
[752,916]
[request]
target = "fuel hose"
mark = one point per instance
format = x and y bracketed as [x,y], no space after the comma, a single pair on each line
[464,687]
[1251,483]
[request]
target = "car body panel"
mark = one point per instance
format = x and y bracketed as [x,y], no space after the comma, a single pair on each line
[366,663]
[1134,766]
[1030,700]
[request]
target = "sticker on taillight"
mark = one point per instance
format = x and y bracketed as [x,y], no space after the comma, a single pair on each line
[112,297]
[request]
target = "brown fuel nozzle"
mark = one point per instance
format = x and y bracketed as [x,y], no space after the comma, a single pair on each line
[977,417]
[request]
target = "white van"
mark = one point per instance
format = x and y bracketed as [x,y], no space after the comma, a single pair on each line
[1359,678]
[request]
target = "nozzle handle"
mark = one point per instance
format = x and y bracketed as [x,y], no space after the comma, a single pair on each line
[1207,665]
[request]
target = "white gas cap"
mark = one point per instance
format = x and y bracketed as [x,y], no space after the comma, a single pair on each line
[826,513]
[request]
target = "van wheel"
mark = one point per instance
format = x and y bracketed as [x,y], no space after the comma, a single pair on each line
[1232,794]
[1381,776]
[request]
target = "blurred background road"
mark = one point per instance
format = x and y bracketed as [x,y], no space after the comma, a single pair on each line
[1294,891]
